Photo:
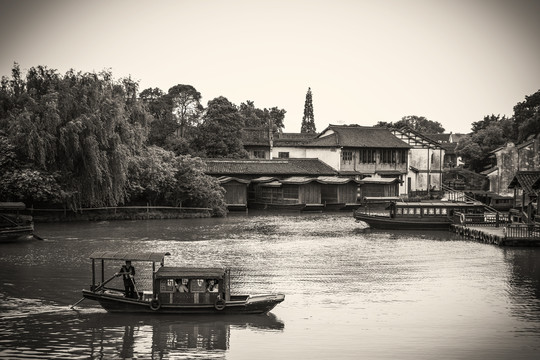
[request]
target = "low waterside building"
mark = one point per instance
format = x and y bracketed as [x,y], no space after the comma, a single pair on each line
[283,183]
[303,193]
[236,192]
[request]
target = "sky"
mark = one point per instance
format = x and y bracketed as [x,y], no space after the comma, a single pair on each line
[451,61]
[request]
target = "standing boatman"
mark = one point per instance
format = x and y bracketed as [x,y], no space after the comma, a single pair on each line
[128,274]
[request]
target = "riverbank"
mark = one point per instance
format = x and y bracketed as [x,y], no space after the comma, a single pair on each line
[117,213]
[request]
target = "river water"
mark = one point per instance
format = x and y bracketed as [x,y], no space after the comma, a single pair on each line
[349,294]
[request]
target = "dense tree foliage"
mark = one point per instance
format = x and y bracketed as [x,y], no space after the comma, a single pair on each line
[527,117]
[160,177]
[186,107]
[418,123]
[160,107]
[218,134]
[495,131]
[308,120]
[21,183]
[83,125]
[254,117]
[488,134]
[81,139]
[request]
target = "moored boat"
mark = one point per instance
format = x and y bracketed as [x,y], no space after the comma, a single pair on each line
[164,295]
[13,225]
[417,215]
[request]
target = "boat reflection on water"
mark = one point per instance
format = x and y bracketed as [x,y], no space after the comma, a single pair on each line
[98,335]
[170,335]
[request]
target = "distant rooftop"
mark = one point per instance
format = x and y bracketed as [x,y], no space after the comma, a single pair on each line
[358,136]
[284,167]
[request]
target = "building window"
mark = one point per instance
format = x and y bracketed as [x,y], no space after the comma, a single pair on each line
[259,154]
[347,155]
[290,192]
[283,155]
[367,156]
[388,156]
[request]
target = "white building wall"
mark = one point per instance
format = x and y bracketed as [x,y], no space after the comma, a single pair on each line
[330,156]
[294,152]
[428,164]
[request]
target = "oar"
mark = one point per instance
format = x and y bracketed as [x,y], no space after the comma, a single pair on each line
[99,287]
[135,286]
[37,237]
[77,303]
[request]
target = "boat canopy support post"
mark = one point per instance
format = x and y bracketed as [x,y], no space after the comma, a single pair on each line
[102,271]
[93,273]
[227,285]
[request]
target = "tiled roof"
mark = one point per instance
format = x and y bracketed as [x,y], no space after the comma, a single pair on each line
[335,180]
[359,137]
[413,134]
[293,139]
[298,180]
[287,167]
[258,136]
[442,138]
[457,137]
[378,181]
[450,148]
[226,179]
[525,180]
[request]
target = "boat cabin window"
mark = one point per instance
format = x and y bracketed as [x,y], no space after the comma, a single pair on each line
[443,211]
[437,211]
[417,211]
[197,285]
[431,211]
[167,285]
[399,211]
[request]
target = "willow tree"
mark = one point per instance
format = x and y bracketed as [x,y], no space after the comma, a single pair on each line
[84,126]
[308,121]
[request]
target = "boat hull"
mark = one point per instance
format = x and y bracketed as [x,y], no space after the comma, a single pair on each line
[16,233]
[381,222]
[259,304]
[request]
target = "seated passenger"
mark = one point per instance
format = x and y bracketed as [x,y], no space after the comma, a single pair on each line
[181,285]
[212,286]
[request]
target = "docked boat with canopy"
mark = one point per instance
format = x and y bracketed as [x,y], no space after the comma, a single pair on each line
[13,225]
[164,294]
[419,215]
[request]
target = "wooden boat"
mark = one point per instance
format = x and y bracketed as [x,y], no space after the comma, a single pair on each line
[417,215]
[13,225]
[163,296]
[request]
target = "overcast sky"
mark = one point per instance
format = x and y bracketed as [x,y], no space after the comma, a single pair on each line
[452,61]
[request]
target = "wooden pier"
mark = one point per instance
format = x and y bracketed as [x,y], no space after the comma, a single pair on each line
[504,235]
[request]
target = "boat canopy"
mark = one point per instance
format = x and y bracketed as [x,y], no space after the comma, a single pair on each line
[169,272]
[12,206]
[120,255]
[445,204]
[381,198]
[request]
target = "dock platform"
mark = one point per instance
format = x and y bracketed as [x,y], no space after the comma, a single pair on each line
[501,236]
